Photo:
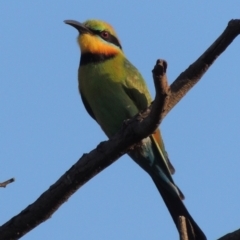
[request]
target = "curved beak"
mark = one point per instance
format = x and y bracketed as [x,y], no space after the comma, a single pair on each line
[79,26]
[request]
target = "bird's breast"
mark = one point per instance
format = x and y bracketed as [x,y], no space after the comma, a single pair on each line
[102,85]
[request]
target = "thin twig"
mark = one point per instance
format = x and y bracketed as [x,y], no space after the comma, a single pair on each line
[182,228]
[4,184]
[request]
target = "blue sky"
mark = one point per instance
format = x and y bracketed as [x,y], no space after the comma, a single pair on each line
[45,128]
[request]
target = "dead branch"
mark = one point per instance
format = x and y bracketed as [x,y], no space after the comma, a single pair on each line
[231,236]
[185,229]
[187,79]
[4,184]
[182,228]
[133,131]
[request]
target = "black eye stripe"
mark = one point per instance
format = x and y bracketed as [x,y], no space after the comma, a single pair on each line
[110,39]
[114,40]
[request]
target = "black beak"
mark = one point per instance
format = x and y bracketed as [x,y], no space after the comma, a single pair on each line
[79,26]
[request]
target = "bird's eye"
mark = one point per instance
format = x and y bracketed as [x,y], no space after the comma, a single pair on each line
[104,34]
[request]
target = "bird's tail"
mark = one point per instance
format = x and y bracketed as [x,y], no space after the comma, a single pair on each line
[152,159]
[176,208]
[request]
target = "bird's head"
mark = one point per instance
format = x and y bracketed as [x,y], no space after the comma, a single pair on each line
[96,37]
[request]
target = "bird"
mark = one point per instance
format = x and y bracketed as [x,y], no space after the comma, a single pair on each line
[113,90]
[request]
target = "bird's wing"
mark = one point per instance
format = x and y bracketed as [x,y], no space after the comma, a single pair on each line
[137,90]
[157,138]
[135,87]
[87,106]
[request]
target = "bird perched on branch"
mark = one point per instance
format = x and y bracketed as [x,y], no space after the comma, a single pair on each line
[112,91]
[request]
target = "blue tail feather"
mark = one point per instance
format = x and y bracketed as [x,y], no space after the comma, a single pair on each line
[150,157]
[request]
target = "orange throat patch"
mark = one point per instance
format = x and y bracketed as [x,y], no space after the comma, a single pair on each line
[93,44]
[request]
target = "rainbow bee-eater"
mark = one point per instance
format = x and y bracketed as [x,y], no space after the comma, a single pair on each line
[112,90]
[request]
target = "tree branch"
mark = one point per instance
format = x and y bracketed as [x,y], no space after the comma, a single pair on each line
[185,228]
[231,236]
[187,79]
[133,131]
[4,184]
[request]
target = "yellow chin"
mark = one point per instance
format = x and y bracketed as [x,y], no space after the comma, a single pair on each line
[90,43]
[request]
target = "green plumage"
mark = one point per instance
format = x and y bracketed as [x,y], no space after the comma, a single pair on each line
[112,91]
